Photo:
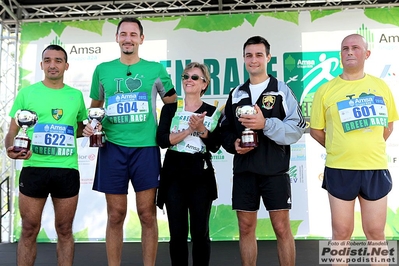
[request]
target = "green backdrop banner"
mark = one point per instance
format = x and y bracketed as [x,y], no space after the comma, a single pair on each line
[305,54]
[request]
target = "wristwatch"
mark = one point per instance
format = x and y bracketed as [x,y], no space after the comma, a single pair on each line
[202,132]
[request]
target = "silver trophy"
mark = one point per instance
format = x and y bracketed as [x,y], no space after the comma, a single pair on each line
[96,115]
[24,119]
[249,138]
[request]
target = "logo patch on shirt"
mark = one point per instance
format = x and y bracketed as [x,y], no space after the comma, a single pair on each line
[57,113]
[268,102]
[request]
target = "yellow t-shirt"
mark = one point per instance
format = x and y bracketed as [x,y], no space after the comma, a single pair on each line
[354,114]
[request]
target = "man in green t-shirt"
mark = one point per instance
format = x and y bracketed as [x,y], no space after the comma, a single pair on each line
[127,87]
[51,162]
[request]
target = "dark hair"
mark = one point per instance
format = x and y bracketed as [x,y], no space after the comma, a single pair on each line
[257,40]
[57,48]
[131,20]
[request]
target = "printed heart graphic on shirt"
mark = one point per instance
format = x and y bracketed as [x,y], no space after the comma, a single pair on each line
[133,83]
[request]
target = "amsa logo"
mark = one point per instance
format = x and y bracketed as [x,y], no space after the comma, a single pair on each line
[305,63]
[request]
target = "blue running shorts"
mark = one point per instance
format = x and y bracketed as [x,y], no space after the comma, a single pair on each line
[117,165]
[348,184]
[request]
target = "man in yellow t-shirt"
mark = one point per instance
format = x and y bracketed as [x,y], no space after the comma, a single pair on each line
[352,117]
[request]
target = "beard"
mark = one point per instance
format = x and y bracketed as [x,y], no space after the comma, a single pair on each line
[128,52]
[54,78]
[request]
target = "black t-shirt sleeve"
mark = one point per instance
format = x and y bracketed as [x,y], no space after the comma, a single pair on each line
[165,120]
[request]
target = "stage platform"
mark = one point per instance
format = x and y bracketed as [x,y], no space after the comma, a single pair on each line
[224,253]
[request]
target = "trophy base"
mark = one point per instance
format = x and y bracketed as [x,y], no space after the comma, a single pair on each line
[18,149]
[249,145]
[249,139]
[21,144]
[97,140]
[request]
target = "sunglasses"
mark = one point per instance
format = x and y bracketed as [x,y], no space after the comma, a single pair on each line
[193,77]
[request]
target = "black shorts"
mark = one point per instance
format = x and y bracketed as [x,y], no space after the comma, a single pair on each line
[348,184]
[249,187]
[39,182]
